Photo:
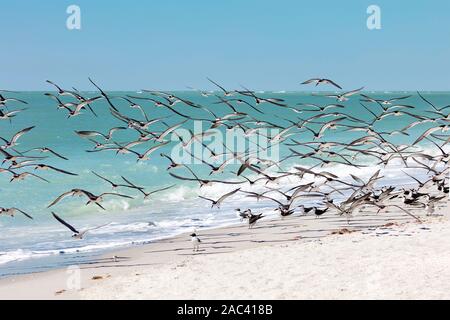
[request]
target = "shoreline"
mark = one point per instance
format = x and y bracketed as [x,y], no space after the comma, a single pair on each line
[217,243]
[99,253]
[57,260]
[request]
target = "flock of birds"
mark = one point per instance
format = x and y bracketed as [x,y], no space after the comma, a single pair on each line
[254,177]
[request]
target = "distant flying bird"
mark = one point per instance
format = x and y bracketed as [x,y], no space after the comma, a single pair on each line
[47,150]
[4,100]
[91,197]
[217,203]
[226,93]
[107,137]
[344,96]
[22,176]
[9,115]
[383,102]
[12,211]
[48,167]
[13,142]
[318,81]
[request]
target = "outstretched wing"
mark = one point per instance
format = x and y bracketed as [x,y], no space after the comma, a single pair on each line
[62,196]
[65,223]
[24,213]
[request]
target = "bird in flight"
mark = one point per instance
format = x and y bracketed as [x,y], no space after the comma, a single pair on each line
[319,81]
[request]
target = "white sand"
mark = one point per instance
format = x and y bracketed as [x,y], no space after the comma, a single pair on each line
[388,256]
[412,262]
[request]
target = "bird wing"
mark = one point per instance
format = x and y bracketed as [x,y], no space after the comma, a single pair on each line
[229,194]
[35,175]
[20,133]
[183,178]
[154,148]
[103,178]
[162,189]
[311,81]
[24,213]
[116,194]
[65,223]
[85,134]
[333,83]
[426,134]
[61,171]
[131,184]
[399,98]
[62,196]
[56,154]
[204,198]
[112,130]
[350,93]
[217,85]
[104,95]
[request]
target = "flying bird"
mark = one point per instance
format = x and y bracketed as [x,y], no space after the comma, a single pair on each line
[318,81]
[79,235]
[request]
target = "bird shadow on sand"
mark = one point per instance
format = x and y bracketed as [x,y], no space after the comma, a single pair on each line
[202,253]
[119,266]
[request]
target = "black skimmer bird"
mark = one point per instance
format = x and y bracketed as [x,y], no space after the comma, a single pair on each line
[195,242]
[430,203]
[46,150]
[173,164]
[12,211]
[253,218]
[318,81]
[107,137]
[4,101]
[22,176]
[9,115]
[319,212]
[243,214]
[13,142]
[79,235]
[226,92]
[142,189]
[91,197]
[217,203]
[387,102]
[41,166]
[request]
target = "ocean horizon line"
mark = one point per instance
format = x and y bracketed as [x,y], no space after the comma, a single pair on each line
[255,90]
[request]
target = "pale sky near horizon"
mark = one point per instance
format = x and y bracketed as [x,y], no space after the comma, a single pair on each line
[264,45]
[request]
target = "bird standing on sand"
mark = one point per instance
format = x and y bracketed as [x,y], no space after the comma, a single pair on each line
[318,212]
[284,212]
[253,218]
[195,242]
[430,204]
[243,214]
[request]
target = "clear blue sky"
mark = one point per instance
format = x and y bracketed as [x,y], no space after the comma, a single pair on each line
[262,44]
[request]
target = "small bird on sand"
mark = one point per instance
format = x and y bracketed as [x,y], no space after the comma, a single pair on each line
[430,204]
[195,241]
[243,214]
[318,212]
[253,218]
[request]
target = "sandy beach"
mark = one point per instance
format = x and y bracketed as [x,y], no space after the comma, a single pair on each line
[377,256]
